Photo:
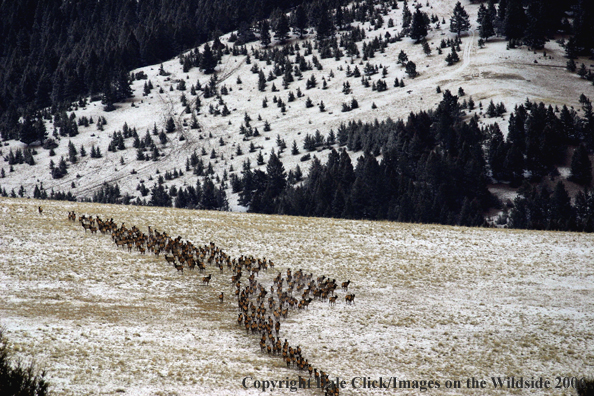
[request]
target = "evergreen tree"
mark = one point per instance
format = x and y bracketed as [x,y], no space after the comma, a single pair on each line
[299,20]
[535,34]
[561,214]
[460,21]
[501,10]
[411,69]
[294,149]
[581,166]
[486,18]
[261,82]
[426,48]
[276,176]
[160,196]
[72,152]
[406,17]
[281,27]
[170,125]
[514,23]
[325,27]
[402,58]
[452,57]
[208,61]
[264,33]
[583,27]
[419,26]
[28,133]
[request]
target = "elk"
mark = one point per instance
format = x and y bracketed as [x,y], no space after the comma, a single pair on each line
[221,297]
[40,210]
[345,285]
[350,298]
[333,300]
[206,279]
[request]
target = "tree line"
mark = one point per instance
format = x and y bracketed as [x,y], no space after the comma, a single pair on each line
[435,167]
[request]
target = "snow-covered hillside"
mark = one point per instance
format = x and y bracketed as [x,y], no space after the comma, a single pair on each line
[432,302]
[485,74]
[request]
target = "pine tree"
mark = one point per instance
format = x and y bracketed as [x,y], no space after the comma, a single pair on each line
[486,18]
[419,26]
[582,71]
[170,125]
[325,27]
[281,27]
[208,61]
[452,57]
[276,176]
[460,20]
[406,17]
[264,33]
[535,34]
[402,58]
[299,20]
[261,81]
[27,132]
[581,166]
[72,152]
[426,48]
[561,212]
[339,18]
[514,23]
[583,27]
[411,69]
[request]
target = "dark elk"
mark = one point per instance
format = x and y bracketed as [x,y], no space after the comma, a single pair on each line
[206,279]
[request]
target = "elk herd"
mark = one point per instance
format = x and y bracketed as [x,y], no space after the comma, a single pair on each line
[260,308]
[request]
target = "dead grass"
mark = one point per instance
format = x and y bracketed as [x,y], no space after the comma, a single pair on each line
[432,301]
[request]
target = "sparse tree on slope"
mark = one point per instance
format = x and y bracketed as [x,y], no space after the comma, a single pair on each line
[208,61]
[419,26]
[459,21]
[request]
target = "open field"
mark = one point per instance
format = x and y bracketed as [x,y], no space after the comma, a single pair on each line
[432,302]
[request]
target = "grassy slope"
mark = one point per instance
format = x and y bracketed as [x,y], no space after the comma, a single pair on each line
[432,302]
[491,73]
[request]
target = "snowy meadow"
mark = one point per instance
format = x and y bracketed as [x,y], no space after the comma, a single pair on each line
[433,303]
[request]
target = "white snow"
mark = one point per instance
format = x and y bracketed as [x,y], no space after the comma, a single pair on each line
[490,73]
[432,302]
